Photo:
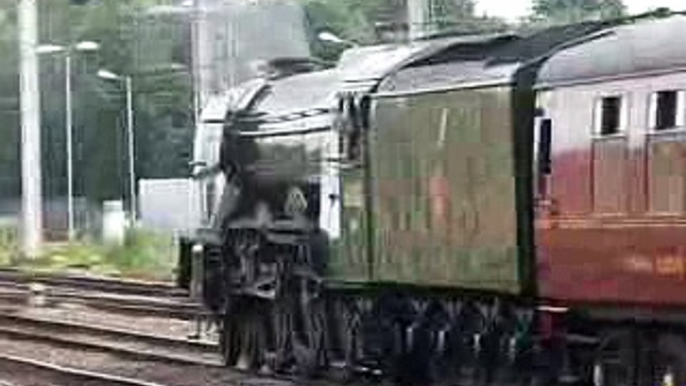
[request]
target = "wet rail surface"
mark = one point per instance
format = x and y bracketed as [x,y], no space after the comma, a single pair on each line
[52,345]
[91,337]
[32,357]
[20,288]
[41,349]
[141,369]
[22,371]
[10,276]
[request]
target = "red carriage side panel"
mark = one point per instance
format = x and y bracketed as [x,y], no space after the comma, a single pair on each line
[616,232]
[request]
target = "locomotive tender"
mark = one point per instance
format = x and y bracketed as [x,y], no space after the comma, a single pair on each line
[486,208]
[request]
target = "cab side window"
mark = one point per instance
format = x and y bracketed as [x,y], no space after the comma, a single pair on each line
[355,111]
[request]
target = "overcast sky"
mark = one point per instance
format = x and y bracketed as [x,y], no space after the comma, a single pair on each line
[513,9]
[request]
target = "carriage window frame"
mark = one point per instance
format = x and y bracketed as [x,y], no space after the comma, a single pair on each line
[602,127]
[658,108]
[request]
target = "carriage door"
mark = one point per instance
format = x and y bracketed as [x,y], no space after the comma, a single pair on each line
[609,155]
[666,153]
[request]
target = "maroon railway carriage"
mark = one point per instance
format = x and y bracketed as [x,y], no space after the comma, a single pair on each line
[611,214]
[614,221]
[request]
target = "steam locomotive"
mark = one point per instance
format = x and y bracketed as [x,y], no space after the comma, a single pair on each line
[478,208]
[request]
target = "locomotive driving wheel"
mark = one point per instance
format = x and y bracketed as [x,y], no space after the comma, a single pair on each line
[246,320]
[300,319]
[244,340]
[344,333]
[229,341]
[309,334]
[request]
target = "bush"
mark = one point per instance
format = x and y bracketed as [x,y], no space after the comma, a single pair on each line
[9,244]
[144,255]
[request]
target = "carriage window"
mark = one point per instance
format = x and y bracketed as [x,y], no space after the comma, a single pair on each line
[665,111]
[610,115]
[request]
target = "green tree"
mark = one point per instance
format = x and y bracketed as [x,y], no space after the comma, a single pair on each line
[9,101]
[351,19]
[459,17]
[148,48]
[357,20]
[572,11]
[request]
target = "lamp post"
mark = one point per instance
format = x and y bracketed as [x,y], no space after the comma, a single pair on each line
[128,84]
[330,37]
[31,176]
[68,51]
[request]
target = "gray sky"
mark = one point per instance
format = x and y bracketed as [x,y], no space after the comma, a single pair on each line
[513,9]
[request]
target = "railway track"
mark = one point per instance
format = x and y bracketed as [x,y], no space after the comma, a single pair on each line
[72,359]
[115,357]
[126,356]
[72,364]
[9,276]
[18,288]
[183,310]
[22,371]
[145,346]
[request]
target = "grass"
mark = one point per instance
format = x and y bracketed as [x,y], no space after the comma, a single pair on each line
[144,255]
[9,246]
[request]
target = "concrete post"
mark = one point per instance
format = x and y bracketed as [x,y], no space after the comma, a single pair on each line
[32,205]
[197,278]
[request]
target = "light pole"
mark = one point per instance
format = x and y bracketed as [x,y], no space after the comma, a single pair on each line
[68,51]
[330,37]
[128,83]
[31,192]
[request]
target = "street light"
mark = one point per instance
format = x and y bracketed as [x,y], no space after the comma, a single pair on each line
[330,37]
[104,74]
[87,46]
[108,75]
[49,49]
[68,51]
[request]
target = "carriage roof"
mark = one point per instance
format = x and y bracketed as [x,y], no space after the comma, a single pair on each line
[481,62]
[645,47]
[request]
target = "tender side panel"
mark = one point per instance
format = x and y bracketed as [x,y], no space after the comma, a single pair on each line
[443,190]
[616,229]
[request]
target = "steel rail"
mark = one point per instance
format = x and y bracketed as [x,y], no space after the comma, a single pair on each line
[120,335]
[128,354]
[20,293]
[59,375]
[124,286]
[17,333]
[132,306]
